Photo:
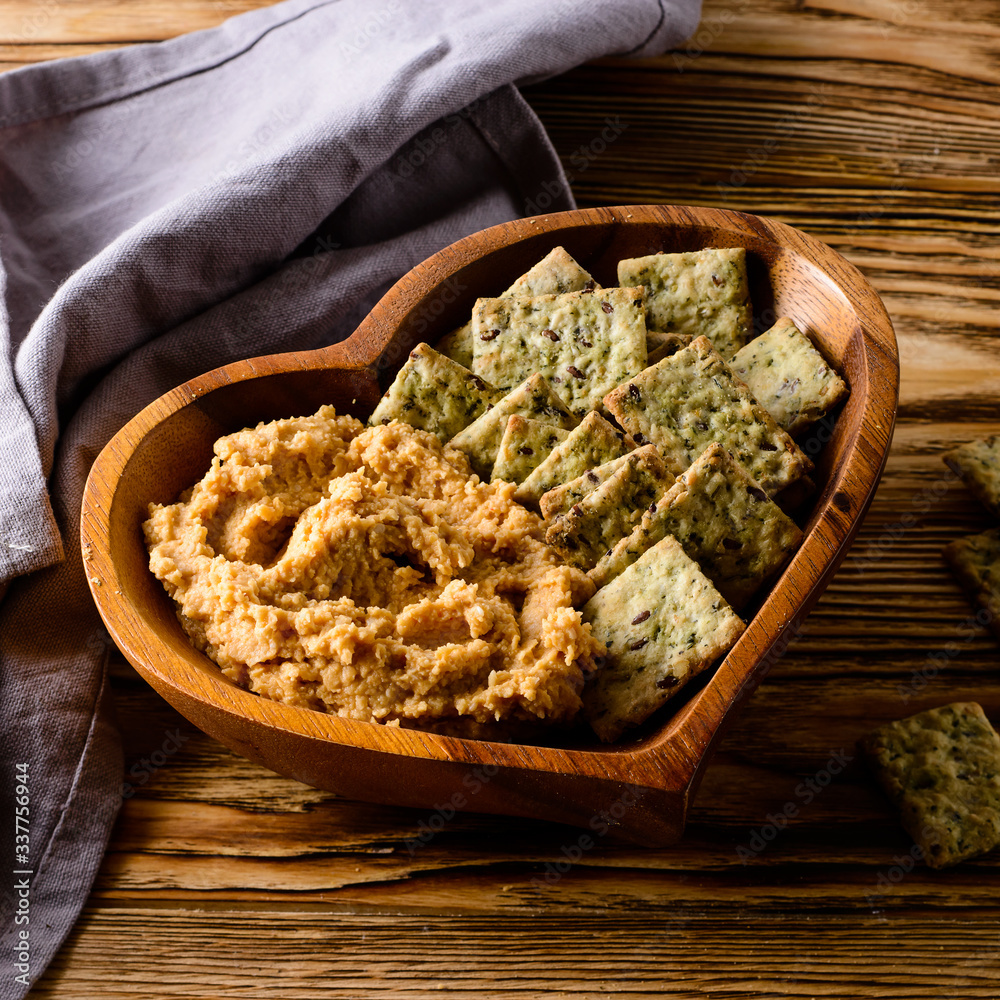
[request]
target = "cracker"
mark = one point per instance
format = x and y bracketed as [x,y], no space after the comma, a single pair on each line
[591,444]
[661,622]
[592,527]
[525,443]
[702,293]
[692,399]
[667,346]
[433,393]
[554,274]
[975,561]
[724,522]
[789,377]
[584,343]
[559,500]
[533,398]
[978,463]
[941,769]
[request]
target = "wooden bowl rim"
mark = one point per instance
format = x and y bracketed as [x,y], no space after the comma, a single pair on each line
[673,755]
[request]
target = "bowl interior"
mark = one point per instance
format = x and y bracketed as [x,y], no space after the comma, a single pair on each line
[167,447]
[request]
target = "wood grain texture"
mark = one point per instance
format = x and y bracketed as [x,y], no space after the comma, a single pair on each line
[895,165]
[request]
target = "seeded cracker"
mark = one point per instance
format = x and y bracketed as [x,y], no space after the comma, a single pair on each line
[789,377]
[533,399]
[975,561]
[700,293]
[591,444]
[978,463]
[554,274]
[559,500]
[690,400]
[661,623]
[593,526]
[524,445]
[723,520]
[434,394]
[668,344]
[941,769]
[584,343]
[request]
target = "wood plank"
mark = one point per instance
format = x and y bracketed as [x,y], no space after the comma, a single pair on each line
[640,955]
[53,22]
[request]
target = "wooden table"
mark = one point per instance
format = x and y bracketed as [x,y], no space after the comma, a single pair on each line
[875,126]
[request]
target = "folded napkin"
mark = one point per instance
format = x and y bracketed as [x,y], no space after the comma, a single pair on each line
[168,208]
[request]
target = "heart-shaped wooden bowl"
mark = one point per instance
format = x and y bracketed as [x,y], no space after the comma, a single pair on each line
[640,788]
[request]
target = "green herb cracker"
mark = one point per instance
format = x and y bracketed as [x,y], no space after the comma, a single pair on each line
[941,769]
[524,444]
[554,274]
[594,526]
[723,520]
[559,499]
[433,393]
[533,399]
[702,293]
[692,399]
[975,561]
[978,463]
[584,343]
[592,443]
[667,345]
[661,622]
[788,376]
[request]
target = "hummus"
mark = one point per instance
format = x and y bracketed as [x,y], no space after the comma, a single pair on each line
[366,573]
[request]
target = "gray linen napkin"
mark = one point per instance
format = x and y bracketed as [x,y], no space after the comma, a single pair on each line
[168,208]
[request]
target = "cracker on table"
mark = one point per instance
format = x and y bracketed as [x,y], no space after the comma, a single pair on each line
[592,527]
[975,561]
[433,393]
[555,273]
[559,499]
[589,445]
[534,398]
[941,769]
[978,463]
[724,522]
[788,376]
[584,343]
[661,622]
[524,444]
[701,293]
[692,399]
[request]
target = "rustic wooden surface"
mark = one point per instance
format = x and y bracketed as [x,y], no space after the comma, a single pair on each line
[872,124]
